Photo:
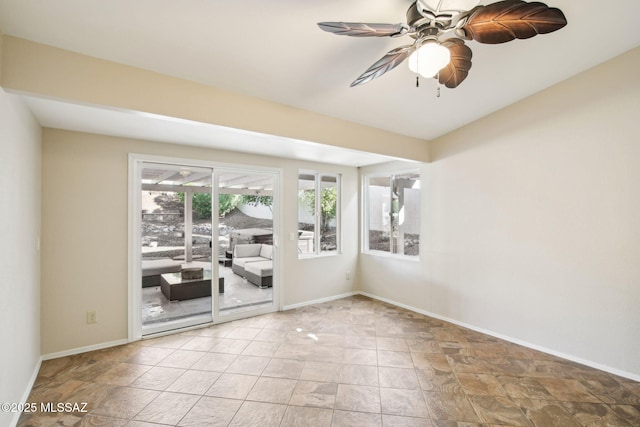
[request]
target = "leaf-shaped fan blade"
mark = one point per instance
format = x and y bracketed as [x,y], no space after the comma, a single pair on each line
[459,65]
[512,19]
[388,62]
[356,29]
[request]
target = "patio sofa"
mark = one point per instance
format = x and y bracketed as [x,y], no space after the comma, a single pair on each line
[254,261]
[249,235]
[152,269]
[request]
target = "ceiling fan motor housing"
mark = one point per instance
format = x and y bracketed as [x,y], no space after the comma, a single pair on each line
[427,23]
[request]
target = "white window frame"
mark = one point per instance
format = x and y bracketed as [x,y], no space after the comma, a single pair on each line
[317,249]
[366,213]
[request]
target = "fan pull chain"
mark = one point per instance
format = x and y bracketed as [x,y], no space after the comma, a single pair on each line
[437,78]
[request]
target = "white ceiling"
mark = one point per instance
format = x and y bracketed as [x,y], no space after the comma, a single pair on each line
[274,50]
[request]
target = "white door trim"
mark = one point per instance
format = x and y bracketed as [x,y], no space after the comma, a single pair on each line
[134,225]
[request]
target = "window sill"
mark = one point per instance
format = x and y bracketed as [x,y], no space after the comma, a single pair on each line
[381,254]
[320,255]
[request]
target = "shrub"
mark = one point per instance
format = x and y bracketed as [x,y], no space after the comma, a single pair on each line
[202,204]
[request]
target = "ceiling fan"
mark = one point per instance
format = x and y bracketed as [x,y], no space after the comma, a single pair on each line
[439,28]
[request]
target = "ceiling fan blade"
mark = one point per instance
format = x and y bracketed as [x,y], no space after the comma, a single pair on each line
[357,29]
[388,62]
[511,19]
[458,68]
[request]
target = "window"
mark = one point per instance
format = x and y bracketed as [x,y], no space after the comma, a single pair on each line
[392,213]
[318,217]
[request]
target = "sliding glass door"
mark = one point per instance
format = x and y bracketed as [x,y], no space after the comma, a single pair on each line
[204,243]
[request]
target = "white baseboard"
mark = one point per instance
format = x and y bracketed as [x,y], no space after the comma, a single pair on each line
[27,392]
[101,346]
[569,357]
[79,350]
[318,301]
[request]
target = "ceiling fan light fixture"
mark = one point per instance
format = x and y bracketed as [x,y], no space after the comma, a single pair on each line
[439,6]
[429,58]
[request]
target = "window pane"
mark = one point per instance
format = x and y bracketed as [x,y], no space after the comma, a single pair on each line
[201,226]
[162,225]
[306,213]
[407,189]
[379,196]
[394,213]
[328,213]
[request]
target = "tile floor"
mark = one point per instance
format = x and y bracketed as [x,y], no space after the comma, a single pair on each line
[350,362]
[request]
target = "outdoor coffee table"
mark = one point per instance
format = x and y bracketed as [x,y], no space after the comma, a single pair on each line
[175,288]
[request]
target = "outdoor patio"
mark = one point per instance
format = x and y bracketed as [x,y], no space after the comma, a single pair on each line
[239,295]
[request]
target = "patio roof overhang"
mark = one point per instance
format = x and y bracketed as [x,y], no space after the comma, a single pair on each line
[197,180]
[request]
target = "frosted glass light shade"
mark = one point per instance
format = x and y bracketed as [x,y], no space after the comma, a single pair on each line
[430,58]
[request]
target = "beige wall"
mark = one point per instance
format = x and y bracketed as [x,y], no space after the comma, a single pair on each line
[19,254]
[532,227]
[34,68]
[84,243]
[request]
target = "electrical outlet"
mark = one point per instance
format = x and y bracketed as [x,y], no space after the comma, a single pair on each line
[347,275]
[91,317]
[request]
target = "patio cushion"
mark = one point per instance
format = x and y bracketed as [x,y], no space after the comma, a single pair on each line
[260,268]
[242,262]
[248,250]
[160,266]
[266,251]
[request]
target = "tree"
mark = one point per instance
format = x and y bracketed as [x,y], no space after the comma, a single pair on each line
[257,200]
[328,204]
[202,204]
[226,203]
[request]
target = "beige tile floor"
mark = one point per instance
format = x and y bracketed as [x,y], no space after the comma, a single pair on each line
[350,362]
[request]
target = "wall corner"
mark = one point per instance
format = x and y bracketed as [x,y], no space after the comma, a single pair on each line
[1,56]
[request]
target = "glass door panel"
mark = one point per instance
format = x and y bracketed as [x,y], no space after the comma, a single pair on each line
[176,232]
[245,250]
